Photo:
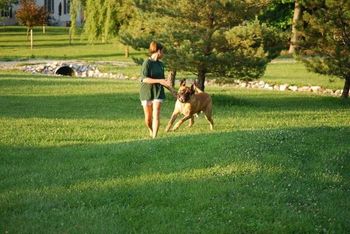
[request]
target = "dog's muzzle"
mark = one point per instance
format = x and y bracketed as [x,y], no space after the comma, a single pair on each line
[183,98]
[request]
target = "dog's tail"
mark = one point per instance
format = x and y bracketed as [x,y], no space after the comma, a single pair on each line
[196,88]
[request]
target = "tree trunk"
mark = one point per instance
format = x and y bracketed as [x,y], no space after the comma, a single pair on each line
[28,32]
[70,37]
[201,78]
[31,38]
[346,88]
[296,19]
[171,77]
[126,51]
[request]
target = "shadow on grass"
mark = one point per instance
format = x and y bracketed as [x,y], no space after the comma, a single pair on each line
[12,34]
[287,180]
[17,78]
[125,105]
[62,43]
[99,106]
[65,56]
[280,102]
[23,30]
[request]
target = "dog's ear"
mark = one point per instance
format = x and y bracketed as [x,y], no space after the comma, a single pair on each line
[193,89]
[183,82]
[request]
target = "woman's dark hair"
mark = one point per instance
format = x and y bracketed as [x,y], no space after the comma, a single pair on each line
[154,47]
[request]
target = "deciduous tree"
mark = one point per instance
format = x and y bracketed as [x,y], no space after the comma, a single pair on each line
[30,15]
[104,17]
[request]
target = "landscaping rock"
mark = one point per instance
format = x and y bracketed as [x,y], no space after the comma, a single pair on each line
[304,89]
[315,89]
[284,87]
[338,92]
[261,83]
[268,86]
[243,85]
[328,91]
[80,69]
[87,70]
[293,88]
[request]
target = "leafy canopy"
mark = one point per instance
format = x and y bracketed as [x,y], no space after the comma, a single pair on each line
[30,15]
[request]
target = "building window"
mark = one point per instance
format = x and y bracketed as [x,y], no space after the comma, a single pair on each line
[6,12]
[60,9]
[64,7]
[50,6]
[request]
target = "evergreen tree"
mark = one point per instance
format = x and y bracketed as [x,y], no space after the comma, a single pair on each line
[206,36]
[296,18]
[278,14]
[285,15]
[325,44]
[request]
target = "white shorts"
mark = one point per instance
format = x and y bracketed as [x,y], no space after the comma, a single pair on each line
[150,102]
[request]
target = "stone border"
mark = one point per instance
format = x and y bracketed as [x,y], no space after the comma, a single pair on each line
[260,84]
[84,70]
[80,70]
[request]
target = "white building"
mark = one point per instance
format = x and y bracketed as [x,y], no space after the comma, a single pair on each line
[59,13]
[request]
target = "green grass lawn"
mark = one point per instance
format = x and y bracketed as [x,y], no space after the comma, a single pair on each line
[75,158]
[296,74]
[54,44]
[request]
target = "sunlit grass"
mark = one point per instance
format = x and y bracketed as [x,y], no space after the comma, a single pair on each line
[296,74]
[55,44]
[76,157]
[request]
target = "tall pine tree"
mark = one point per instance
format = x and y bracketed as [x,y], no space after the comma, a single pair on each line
[205,36]
[325,43]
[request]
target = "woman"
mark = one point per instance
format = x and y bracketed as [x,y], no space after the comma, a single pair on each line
[152,90]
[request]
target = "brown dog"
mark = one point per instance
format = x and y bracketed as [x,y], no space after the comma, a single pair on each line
[191,101]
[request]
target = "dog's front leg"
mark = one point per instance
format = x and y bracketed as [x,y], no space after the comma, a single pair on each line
[177,125]
[172,120]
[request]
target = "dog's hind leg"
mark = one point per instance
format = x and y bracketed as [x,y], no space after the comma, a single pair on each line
[208,116]
[211,121]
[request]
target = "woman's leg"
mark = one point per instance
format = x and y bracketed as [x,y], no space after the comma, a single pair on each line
[148,109]
[155,120]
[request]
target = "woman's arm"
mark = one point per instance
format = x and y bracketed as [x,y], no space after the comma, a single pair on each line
[163,82]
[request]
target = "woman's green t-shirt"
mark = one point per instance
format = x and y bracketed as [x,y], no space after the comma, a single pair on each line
[152,69]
